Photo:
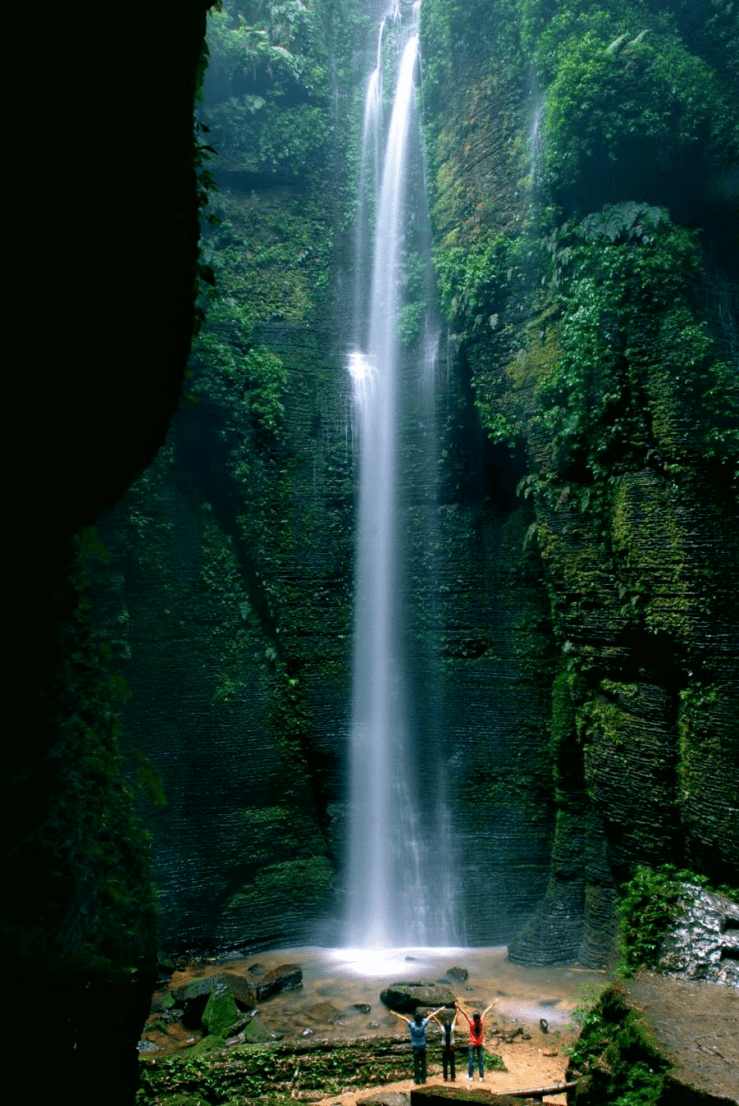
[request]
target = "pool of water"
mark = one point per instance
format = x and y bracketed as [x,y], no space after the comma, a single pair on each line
[336,982]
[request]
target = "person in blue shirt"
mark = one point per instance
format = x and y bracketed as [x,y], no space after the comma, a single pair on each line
[417,1030]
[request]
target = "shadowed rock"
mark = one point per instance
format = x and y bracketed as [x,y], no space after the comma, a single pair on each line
[288,977]
[407,997]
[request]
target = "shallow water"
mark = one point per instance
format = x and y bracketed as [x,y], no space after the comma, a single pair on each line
[335,979]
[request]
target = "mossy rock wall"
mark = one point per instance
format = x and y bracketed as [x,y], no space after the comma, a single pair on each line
[597,336]
[575,630]
[229,590]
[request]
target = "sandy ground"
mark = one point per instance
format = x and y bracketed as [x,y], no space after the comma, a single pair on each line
[529,1063]
[334,982]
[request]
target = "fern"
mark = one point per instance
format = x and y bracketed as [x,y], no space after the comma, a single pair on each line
[626,221]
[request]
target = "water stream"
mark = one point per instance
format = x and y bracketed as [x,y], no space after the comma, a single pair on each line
[400,867]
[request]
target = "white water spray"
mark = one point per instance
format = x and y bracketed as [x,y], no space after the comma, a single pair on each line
[397,883]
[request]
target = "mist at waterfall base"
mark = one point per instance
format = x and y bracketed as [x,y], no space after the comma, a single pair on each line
[400,883]
[340,992]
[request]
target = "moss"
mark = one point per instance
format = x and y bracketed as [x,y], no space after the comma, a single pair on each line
[267,1072]
[617,1051]
[207,1044]
[220,1013]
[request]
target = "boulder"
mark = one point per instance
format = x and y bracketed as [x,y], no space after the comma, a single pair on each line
[201,985]
[323,1012]
[208,1044]
[288,977]
[408,997]
[459,974]
[220,1013]
[384,1098]
[257,1033]
[241,988]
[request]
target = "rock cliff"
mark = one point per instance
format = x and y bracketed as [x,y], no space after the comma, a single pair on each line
[583,618]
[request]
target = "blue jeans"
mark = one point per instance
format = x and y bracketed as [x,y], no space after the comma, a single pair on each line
[471,1050]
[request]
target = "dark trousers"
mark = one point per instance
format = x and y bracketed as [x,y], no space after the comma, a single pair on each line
[419,1065]
[471,1050]
[447,1061]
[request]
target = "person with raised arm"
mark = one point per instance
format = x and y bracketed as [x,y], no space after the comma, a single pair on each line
[447,1045]
[417,1030]
[475,1045]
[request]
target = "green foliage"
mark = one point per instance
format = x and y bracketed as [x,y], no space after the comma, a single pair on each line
[248,381]
[271,1073]
[473,283]
[622,83]
[270,254]
[615,1048]
[625,222]
[278,44]
[410,322]
[648,907]
[494,1062]
[629,334]
[266,86]
[265,1072]
[456,34]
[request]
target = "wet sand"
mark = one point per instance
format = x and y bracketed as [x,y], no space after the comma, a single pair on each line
[339,979]
[339,985]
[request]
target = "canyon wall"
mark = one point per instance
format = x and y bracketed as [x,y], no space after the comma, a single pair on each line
[583,609]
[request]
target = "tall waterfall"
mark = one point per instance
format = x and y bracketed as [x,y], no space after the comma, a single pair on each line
[400,865]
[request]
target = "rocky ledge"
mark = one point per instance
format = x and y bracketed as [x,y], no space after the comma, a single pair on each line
[680,1036]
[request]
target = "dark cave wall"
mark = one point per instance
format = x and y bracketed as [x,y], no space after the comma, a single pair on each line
[102,311]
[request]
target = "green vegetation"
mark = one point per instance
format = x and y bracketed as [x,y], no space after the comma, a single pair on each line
[621,86]
[616,1050]
[269,1072]
[649,906]
[573,149]
[265,86]
[630,343]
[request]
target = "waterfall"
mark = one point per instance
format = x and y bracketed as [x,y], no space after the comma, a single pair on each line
[400,867]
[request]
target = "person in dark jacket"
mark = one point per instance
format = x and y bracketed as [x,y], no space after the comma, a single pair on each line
[417,1030]
[448,1045]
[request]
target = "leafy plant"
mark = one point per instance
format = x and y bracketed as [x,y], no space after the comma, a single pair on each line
[649,906]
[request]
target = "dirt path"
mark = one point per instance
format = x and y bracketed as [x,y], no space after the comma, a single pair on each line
[528,1063]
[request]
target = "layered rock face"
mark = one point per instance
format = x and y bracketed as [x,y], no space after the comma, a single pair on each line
[600,333]
[229,603]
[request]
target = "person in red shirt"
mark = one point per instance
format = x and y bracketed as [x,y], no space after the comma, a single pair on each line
[476,1024]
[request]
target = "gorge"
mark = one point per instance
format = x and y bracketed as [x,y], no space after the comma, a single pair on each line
[567,632]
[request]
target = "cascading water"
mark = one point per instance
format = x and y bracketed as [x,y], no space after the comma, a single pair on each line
[400,868]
